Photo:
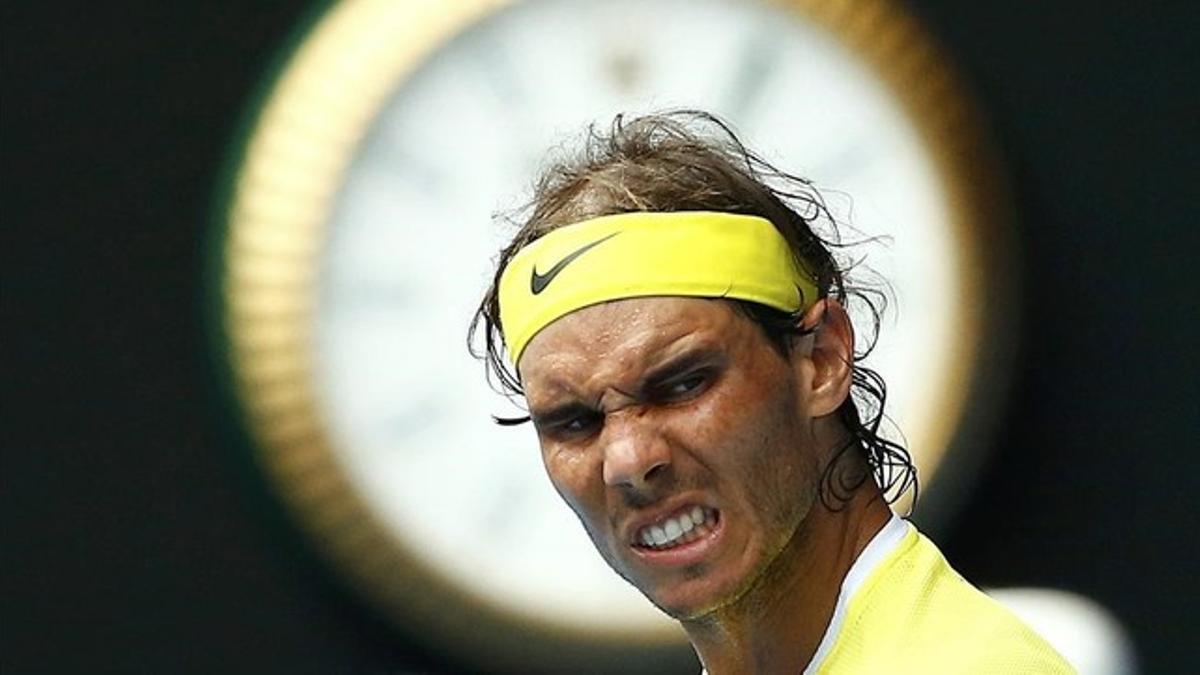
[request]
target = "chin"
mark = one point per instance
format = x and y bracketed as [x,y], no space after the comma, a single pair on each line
[682,600]
[694,598]
[686,612]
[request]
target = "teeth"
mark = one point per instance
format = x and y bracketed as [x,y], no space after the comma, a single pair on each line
[674,528]
[686,527]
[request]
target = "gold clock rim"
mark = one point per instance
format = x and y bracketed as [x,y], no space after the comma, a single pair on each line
[292,164]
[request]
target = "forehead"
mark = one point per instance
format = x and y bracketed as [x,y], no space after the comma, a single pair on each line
[630,335]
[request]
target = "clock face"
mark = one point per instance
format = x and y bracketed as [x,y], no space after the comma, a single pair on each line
[391,243]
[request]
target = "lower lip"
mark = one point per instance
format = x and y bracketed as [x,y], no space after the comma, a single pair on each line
[690,553]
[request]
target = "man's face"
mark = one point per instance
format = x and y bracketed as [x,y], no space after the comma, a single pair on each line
[680,438]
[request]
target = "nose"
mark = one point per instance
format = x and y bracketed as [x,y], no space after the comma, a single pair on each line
[634,453]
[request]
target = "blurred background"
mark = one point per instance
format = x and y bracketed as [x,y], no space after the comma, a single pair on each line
[138,535]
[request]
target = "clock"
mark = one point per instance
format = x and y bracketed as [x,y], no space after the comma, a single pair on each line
[359,236]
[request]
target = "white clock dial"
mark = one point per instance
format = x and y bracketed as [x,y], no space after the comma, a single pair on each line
[360,237]
[410,243]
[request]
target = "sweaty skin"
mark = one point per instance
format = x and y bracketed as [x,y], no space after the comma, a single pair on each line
[646,408]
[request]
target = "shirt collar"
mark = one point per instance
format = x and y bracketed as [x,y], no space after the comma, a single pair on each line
[883,543]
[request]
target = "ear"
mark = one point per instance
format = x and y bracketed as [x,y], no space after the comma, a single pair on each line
[832,356]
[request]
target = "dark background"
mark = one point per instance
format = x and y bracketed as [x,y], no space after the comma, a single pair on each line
[134,541]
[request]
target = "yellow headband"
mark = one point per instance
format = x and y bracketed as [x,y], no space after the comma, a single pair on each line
[629,255]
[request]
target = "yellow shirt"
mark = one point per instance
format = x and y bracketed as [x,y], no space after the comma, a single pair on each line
[907,611]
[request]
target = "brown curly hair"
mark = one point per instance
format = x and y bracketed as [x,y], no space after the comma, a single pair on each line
[692,161]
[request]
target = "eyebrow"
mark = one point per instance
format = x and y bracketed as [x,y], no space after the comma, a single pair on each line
[698,356]
[691,359]
[560,413]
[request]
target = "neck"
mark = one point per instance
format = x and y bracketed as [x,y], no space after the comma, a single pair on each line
[778,624]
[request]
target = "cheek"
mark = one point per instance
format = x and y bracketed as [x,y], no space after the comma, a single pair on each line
[578,481]
[580,484]
[747,415]
[752,439]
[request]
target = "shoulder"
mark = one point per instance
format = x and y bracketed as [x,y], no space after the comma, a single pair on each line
[916,614]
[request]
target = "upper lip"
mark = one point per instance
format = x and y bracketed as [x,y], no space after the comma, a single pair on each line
[660,512]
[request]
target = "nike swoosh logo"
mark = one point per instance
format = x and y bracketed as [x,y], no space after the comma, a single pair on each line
[539,282]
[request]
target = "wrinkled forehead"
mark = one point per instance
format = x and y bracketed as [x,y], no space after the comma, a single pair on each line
[627,336]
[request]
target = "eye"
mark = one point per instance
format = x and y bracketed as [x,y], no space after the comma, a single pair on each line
[579,424]
[685,387]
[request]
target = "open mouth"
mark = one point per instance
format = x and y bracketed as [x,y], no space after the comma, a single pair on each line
[682,527]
